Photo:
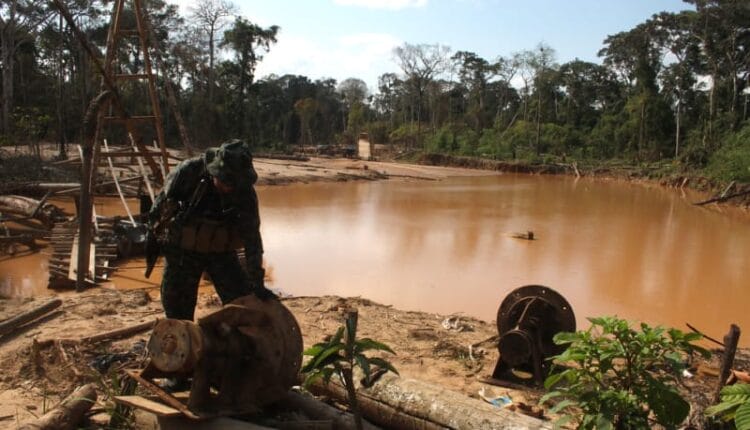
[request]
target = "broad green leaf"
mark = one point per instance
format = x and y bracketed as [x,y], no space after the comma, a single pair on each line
[311,378]
[377,361]
[742,417]
[328,353]
[364,364]
[367,344]
[565,337]
[351,328]
[550,395]
[560,422]
[327,372]
[315,349]
[561,406]
[723,408]
[336,339]
[668,406]
[554,378]
[736,389]
[603,423]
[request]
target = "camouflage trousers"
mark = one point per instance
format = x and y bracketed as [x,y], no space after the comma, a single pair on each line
[182,273]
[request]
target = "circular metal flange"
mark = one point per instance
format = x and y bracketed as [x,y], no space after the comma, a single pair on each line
[540,308]
[175,345]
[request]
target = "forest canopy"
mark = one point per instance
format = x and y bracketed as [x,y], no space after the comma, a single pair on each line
[674,87]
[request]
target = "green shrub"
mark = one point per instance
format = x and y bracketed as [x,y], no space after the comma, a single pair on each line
[621,378]
[735,405]
[443,141]
[340,355]
[732,161]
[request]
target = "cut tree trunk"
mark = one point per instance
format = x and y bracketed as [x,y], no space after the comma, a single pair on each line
[68,414]
[411,404]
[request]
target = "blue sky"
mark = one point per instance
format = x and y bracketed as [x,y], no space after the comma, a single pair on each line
[355,38]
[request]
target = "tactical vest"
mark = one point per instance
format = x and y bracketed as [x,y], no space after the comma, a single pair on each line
[208,236]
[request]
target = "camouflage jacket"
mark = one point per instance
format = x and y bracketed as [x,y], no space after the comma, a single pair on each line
[179,203]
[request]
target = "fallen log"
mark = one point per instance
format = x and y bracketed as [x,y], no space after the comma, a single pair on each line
[722,198]
[68,414]
[411,404]
[46,213]
[320,411]
[23,318]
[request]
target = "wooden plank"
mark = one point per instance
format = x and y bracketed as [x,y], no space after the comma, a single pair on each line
[147,405]
[164,396]
[73,268]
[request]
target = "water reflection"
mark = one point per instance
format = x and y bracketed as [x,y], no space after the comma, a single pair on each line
[609,248]
[23,276]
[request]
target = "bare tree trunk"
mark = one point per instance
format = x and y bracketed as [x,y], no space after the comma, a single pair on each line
[7,58]
[211,65]
[677,131]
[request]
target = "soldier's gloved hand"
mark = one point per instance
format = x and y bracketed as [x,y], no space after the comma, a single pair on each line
[264,293]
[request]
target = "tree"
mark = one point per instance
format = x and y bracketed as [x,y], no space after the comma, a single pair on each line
[474,74]
[421,64]
[724,35]
[248,41]
[541,60]
[354,92]
[675,33]
[210,17]
[306,109]
[636,55]
[19,19]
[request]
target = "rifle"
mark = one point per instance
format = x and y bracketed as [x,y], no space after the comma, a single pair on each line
[172,212]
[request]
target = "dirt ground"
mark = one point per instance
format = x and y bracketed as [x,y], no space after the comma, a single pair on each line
[454,351]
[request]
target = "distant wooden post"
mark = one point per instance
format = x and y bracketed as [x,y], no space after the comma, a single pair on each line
[364,148]
[730,349]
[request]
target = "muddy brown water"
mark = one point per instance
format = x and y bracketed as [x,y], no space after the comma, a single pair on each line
[610,248]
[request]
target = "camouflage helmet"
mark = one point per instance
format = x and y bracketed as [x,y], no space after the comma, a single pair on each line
[231,163]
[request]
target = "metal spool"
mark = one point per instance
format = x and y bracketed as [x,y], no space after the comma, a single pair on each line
[240,358]
[527,320]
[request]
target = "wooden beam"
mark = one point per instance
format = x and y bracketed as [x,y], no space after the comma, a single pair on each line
[25,317]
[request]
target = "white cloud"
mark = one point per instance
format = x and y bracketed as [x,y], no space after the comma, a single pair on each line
[363,55]
[383,4]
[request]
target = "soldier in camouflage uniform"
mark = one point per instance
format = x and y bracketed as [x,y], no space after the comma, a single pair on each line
[206,211]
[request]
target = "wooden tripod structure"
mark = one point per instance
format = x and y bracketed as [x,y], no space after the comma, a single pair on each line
[107,111]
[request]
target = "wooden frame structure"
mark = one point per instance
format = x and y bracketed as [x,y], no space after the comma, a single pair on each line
[107,111]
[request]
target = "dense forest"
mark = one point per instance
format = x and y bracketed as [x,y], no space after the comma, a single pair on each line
[673,89]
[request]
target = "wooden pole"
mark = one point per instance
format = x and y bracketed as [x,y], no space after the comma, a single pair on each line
[730,341]
[11,324]
[120,333]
